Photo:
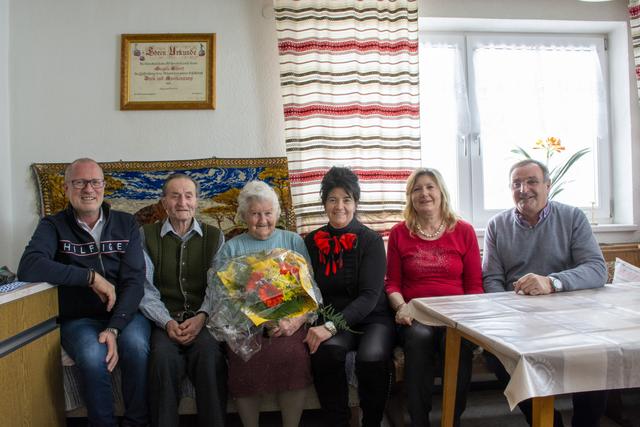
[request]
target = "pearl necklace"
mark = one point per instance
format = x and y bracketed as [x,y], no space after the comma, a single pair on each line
[427,235]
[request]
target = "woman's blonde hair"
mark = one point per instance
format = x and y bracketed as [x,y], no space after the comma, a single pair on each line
[449,217]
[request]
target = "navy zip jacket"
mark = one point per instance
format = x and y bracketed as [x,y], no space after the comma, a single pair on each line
[61,252]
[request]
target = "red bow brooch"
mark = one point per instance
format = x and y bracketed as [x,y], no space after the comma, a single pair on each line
[332,247]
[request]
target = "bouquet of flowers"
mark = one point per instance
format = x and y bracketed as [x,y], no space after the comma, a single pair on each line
[252,290]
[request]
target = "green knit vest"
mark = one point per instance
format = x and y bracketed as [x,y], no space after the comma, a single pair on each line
[180,269]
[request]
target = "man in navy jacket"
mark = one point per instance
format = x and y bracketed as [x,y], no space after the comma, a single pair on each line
[95,257]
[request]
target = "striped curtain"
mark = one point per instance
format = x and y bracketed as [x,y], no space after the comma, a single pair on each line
[349,78]
[634,23]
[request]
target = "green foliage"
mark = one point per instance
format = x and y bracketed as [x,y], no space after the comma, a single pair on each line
[557,173]
[521,152]
[329,313]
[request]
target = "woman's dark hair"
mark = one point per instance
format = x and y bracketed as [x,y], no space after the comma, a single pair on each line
[339,177]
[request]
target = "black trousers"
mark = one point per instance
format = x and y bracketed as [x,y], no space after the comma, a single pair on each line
[588,407]
[373,369]
[203,362]
[421,343]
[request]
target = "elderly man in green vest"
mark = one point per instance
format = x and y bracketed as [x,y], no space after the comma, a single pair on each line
[178,253]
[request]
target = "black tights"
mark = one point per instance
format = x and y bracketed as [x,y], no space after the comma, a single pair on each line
[421,343]
[373,370]
[588,407]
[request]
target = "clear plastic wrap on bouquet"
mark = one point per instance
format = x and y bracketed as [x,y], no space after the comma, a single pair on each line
[252,290]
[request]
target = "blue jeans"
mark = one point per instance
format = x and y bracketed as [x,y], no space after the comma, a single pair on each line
[80,340]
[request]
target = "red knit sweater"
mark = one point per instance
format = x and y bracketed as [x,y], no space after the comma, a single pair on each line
[449,265]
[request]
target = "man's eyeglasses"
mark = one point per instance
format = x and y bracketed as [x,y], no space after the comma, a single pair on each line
[515,185]
[79,184]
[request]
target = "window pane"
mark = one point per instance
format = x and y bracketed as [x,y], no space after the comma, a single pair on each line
[526,92]
[439,72]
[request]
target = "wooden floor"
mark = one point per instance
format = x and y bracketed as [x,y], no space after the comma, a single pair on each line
[486,407]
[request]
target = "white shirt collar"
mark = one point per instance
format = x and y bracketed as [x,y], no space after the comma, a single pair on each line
[167,227]
[96,231]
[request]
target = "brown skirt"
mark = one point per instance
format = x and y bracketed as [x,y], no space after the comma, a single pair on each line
[282,364]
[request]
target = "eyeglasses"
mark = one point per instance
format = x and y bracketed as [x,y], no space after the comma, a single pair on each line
[516,185]
[79,184]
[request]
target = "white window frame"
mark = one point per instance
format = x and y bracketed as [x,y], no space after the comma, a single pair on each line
[624,114]
[480,215]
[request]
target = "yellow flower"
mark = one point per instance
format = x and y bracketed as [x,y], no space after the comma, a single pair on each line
[551,145]
[280,279]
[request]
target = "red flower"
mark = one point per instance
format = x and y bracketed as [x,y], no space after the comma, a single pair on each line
[270,295]
[252,283]
[288,268]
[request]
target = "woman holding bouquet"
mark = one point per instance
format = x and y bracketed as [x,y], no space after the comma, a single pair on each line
[431,253]
[282,364]
[349,262]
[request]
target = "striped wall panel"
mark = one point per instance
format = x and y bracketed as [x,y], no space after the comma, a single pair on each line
[349,80]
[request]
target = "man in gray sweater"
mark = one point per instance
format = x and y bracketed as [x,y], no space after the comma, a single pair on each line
[538,248]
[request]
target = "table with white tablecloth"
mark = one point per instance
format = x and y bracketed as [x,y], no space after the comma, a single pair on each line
[550,344]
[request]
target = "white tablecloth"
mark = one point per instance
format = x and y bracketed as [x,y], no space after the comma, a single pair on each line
[552,344]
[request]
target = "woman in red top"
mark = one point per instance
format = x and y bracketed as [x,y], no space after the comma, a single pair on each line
[431,253]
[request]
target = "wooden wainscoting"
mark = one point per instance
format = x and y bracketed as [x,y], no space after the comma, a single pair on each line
[30,370]
[629,252]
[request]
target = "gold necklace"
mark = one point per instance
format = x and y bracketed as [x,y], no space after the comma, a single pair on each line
[427,235]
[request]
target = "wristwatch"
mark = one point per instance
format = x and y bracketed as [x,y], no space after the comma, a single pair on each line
[329,326]
[556,284]
[114,331]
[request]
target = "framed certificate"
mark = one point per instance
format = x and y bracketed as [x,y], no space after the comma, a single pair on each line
[167,71]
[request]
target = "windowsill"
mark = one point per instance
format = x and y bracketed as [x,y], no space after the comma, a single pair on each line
[605,233]
[614,228]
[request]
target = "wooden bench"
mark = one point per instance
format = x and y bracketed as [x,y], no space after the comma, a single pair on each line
[75,407]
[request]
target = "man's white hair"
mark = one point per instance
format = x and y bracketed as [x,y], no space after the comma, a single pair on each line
[69,168]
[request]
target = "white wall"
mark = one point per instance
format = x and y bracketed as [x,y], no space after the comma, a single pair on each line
[64,89]
[525,9]
[6,213]
[63,79]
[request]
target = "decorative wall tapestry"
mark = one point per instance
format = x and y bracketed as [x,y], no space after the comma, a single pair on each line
[634,23]
[135,187]
[349,78]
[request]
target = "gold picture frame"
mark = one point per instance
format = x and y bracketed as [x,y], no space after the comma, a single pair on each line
[168,71]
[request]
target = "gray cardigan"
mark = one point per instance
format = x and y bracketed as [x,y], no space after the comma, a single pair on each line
[561,245]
